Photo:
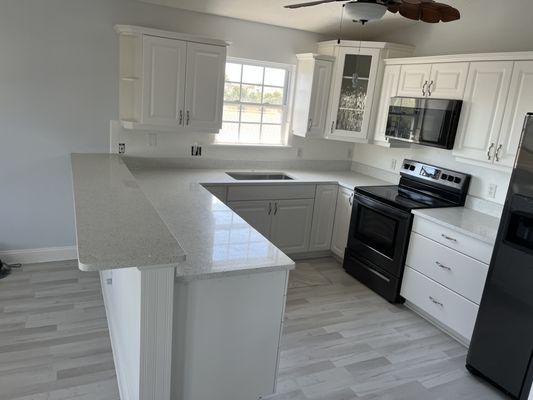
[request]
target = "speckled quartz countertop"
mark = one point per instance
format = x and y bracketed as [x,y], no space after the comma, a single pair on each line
[215,240]
[116,225]
[469,222]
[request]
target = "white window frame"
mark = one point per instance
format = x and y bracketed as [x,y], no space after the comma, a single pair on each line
[286,106]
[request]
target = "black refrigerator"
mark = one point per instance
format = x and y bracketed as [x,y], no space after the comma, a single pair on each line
[501,348]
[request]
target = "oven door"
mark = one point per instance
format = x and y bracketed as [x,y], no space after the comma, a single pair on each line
[380,234]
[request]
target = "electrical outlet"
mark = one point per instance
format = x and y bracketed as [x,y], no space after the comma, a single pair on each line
[121,148]
[196,150]
[300,152]
[393,164]
[493,188]
[152,139]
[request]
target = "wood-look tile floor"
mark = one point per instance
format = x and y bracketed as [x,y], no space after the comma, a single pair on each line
[341,341]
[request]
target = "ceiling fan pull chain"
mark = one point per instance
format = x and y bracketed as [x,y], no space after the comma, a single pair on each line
[340,25]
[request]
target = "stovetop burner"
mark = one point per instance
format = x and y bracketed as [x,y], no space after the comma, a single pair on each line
[403,198]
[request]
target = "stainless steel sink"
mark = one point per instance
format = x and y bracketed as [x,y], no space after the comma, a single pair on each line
[259,176]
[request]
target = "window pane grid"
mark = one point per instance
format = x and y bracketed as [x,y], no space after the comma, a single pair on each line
[260,104]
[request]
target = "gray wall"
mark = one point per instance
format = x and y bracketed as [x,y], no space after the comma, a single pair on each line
[58,92]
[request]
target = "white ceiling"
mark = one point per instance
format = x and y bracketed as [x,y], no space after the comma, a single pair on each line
[322,18]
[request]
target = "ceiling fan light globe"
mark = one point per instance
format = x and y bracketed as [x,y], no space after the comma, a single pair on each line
[365,11]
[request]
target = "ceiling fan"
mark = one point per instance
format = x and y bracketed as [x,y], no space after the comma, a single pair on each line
[364,11]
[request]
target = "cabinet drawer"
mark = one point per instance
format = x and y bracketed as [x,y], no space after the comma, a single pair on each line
[270,192]
[447,307]
[462,243]
[456,271]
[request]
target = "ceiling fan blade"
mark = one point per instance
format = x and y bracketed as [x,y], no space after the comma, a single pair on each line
[430,12]
[311,3]
[448,13]
[410,11]
[393,8]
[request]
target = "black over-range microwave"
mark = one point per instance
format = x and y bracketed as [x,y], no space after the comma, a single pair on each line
[429,122]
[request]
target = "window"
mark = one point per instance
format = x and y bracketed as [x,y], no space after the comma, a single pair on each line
[255,104]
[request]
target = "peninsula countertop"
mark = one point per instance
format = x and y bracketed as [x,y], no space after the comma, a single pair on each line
[214,240]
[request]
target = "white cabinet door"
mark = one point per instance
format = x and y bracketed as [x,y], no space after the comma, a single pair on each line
[204,93]
[291,225]
[352,95]
[389,89]
[341,225]
[520,102]
[414,79]
[256,213]
[164,63]
[319,98]
[483,108]
[448,80]
[323,217]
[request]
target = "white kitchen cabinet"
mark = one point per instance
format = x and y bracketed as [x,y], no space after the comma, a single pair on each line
[413,80]
[164,63]
[170,81]
[357,75]
[323,217]
[520,102]
[313,84]
[389,89]
[341,226]
[483,110]
[448,80]
[291,225]
[204,89]
[439,80]
[257,213]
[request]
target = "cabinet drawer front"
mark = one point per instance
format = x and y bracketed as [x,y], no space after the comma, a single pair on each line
[447,307]
[462,243]
[270,192]
[454,270]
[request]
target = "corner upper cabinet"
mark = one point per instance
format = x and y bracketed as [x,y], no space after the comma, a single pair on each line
[170,81]
[311,94]
[357,76]
[483,110]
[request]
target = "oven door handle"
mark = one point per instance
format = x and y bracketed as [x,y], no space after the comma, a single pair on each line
[380,207]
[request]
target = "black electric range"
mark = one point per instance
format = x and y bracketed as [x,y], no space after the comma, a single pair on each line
[380,225]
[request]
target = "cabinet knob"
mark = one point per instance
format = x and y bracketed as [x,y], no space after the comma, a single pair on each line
[435,301]
[440,265]
[430,87]
[188,117]
[269,208]
[310,123]
[275,208]
[332,126]
[424,88]
[181,117]
[448,238]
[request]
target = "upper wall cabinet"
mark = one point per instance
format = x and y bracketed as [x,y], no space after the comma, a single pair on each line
[170,81]
[313,83]
[441,80]
[357,75]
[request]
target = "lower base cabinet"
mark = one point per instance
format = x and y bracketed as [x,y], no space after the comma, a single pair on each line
[341,225]
[287,223]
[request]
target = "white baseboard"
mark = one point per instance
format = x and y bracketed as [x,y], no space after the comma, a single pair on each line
[31,256]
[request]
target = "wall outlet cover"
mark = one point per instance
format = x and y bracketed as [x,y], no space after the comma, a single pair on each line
[493,189]
[393,164]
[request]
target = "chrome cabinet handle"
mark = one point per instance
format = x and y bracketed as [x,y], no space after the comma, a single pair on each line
[429,87]
[497,154]
[332,126]
[309,124]
[434,301]
[424,88]
[448,238]
[350,200]
[489,151]
[188,117]
[440,265]
[269,208]
[181,117]
[275,208]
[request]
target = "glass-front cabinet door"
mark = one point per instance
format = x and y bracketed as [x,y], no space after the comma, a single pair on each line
[352,94]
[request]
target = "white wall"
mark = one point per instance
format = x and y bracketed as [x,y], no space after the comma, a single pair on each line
[485,26]
[58,92]
[382,157]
